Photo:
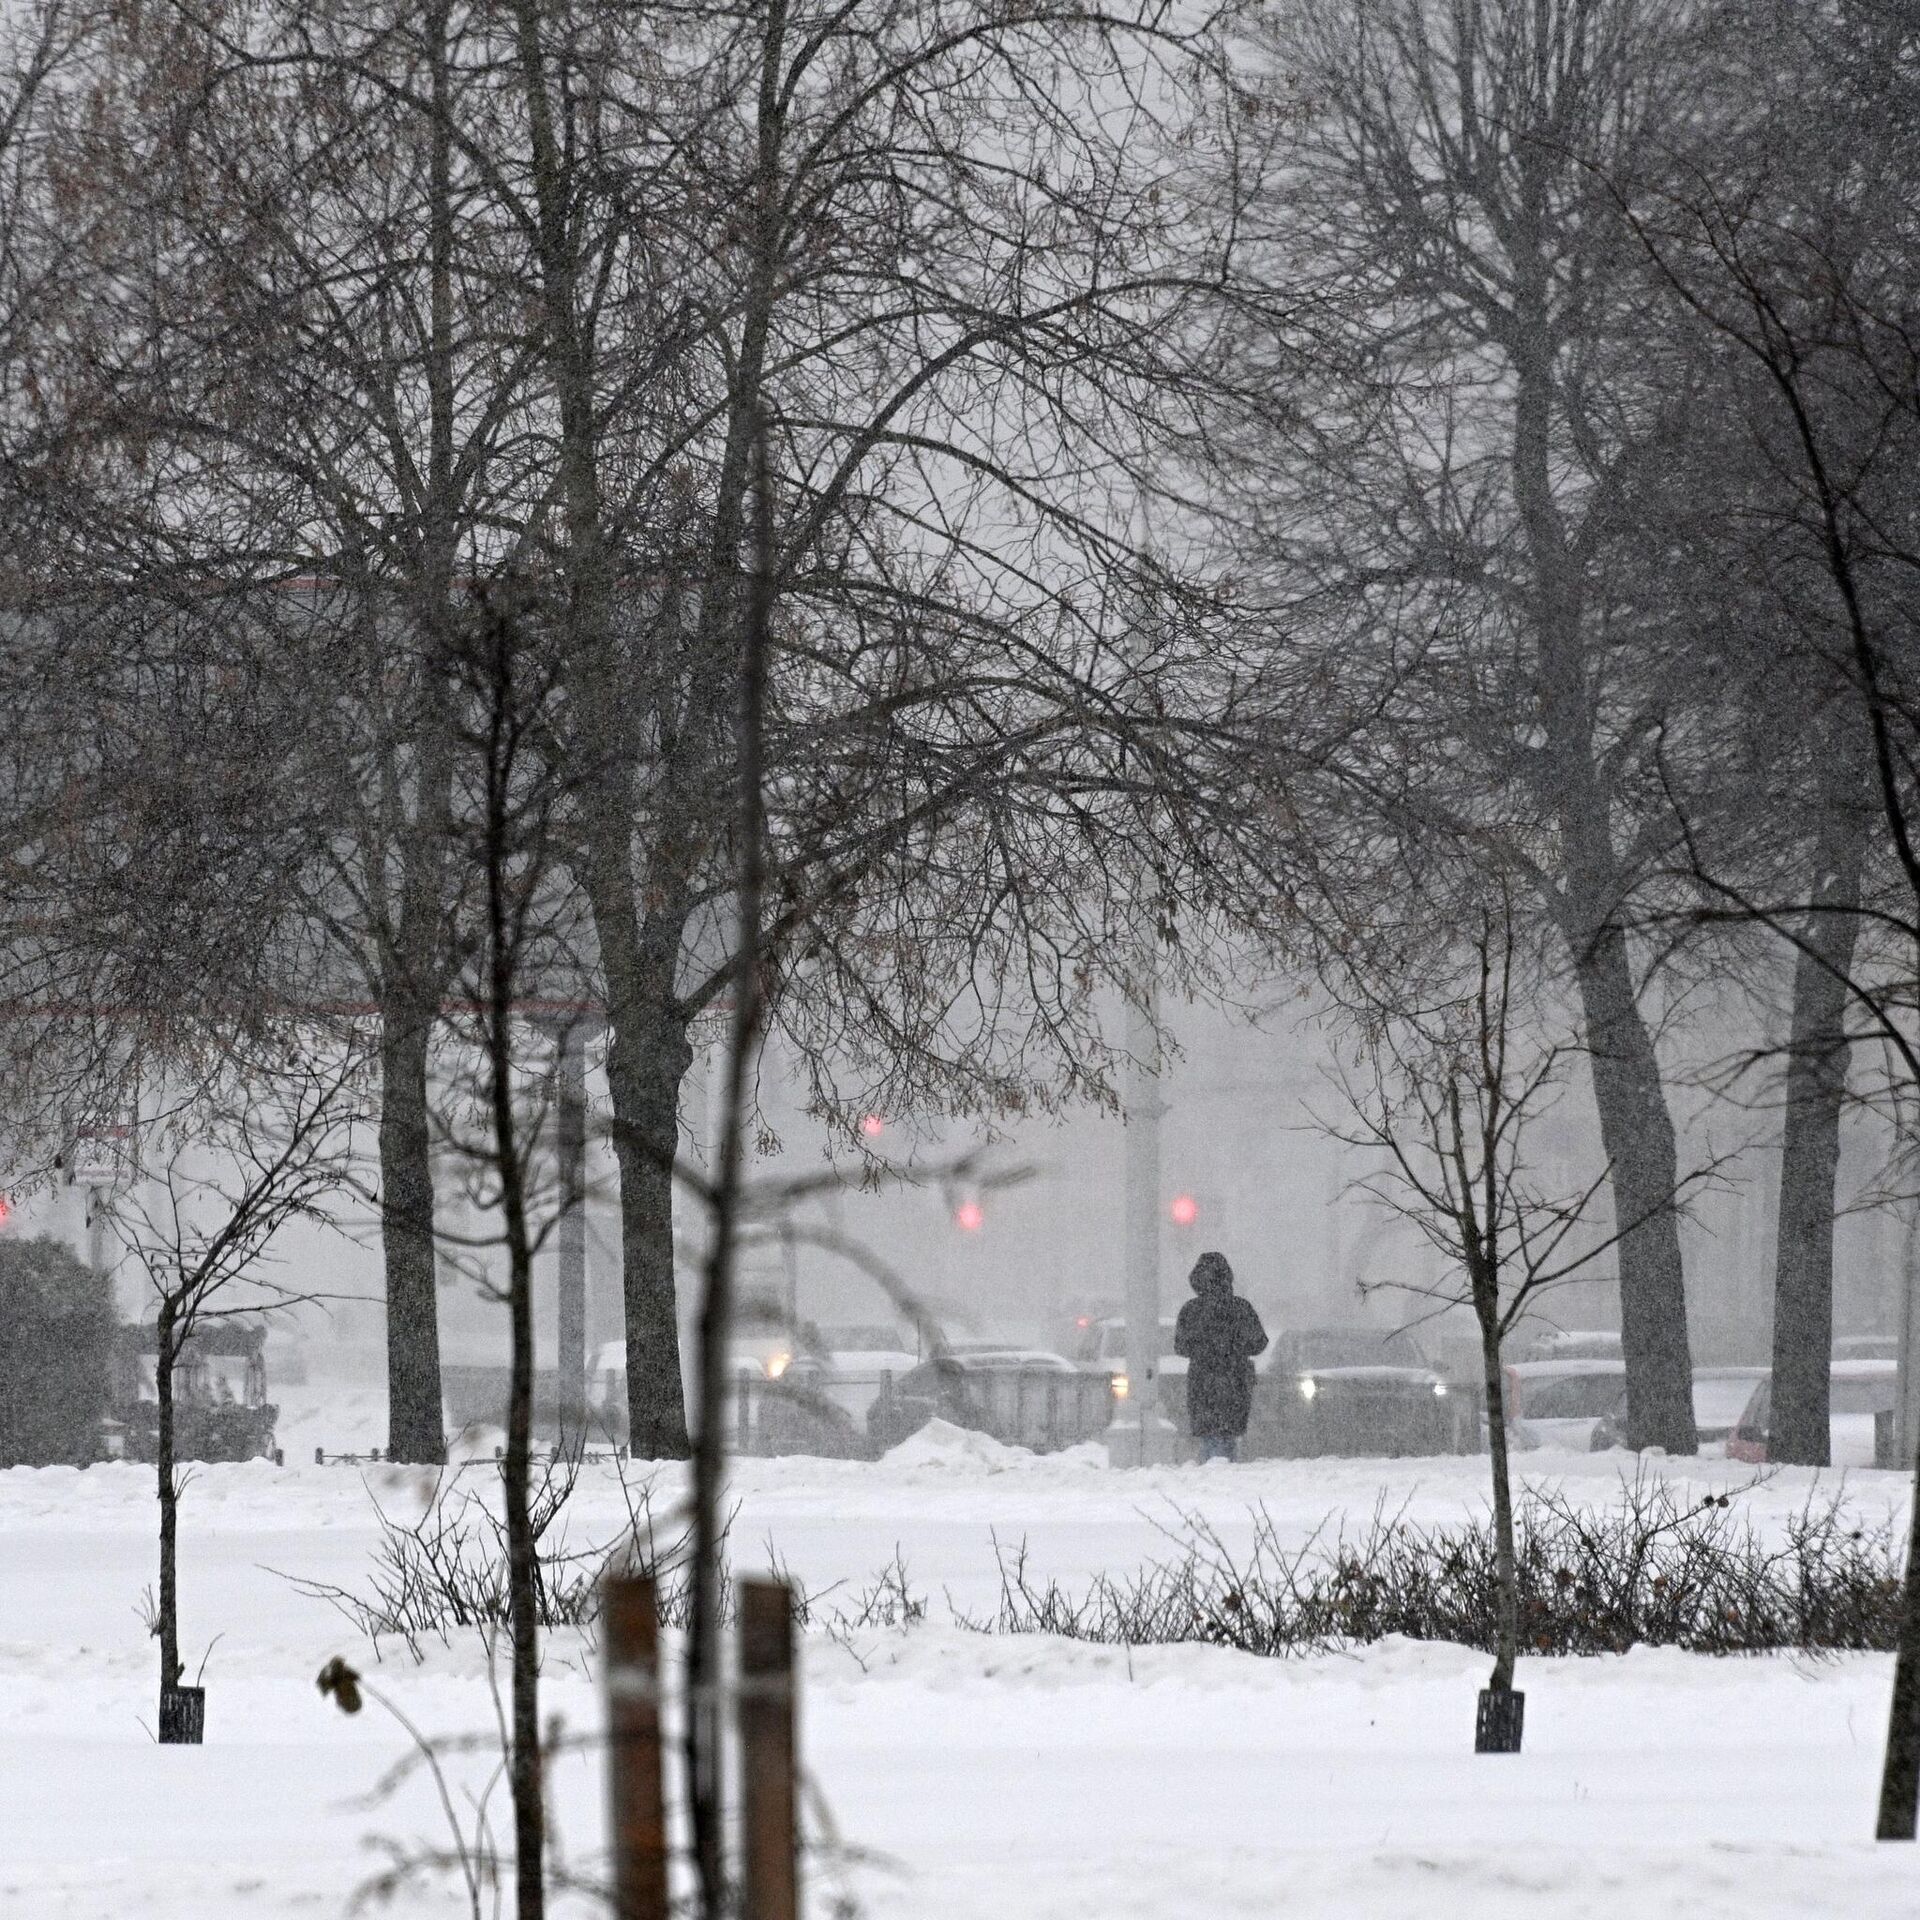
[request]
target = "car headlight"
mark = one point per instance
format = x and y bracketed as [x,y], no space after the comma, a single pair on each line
[1122,1386]
[1439,1389]
[777,1364]
[1309,1386]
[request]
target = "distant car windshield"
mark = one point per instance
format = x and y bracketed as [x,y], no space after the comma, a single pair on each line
[1113,1340]
[1720,1403]
[1853,1397]
[970,1357]
[1355,1348]
[1575,1346]
[1863,1396]
[865,1340]
[1572,1396]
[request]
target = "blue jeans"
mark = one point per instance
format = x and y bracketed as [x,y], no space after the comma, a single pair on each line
[1218,1446]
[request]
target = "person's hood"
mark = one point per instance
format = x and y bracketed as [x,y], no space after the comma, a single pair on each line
[1211,1277]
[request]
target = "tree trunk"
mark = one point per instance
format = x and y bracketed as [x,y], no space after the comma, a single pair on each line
[1635,1126]
[1506,1559]
[529,1803]
[412,965]
[647,1059]
[525,1760]
[1900,1772]
[509,881]
[1637,1132]
[570,1148]
[1800,1428]
[648,1055]
[169,1488]
[646,1062]
[415,1422]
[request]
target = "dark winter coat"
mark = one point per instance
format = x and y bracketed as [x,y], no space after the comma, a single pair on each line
[1219,1333]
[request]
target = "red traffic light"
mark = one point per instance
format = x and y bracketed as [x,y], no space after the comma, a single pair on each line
[1184,1210]
[872,1126]
[969,1216]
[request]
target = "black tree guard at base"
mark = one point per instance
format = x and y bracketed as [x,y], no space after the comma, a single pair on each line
[1501,1717]
[183,1716]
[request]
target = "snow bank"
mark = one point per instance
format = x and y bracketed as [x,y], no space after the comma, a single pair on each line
[942,1444]
[982,1775]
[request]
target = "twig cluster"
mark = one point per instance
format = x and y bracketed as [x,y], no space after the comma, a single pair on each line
[446,1573]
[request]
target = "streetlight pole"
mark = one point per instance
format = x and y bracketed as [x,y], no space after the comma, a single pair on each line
[1142,1435]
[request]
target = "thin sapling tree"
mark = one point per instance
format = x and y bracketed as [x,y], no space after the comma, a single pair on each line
[520,968]
[270,1143]
[1456,1076]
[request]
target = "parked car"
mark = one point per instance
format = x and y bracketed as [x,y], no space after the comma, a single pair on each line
[1077,1332]
[801,1409]
[1351,1391]
[1860,1390]
[220,1405]
[849,1341]
[1720,1397]
[755,1348]
[1570,1343]
[1106,1348]
[1867,1346]
[1025,1396]
[1558,1403]
[1106,1352]
[476,1396]
[840,1370]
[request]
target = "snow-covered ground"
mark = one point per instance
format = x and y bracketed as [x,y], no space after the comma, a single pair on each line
[976,1777]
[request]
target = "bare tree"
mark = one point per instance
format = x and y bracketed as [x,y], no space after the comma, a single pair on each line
[40,45]
[1458,510]
[1800,272]
[512,826]
[60,1060]
[480,285]
[1460,1067]
[220,1177]
[1767,234]
[705,1723]
[300,320]
[976,729]
[521,952]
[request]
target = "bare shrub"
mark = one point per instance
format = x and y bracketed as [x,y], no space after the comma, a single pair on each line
[446,1572]
[1655,1569]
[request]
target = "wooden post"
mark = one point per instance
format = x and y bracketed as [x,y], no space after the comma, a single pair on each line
[769,1799]
[639,1822]
[743,1413]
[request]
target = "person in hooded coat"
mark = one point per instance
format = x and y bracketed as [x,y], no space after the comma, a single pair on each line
[1218,1333]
